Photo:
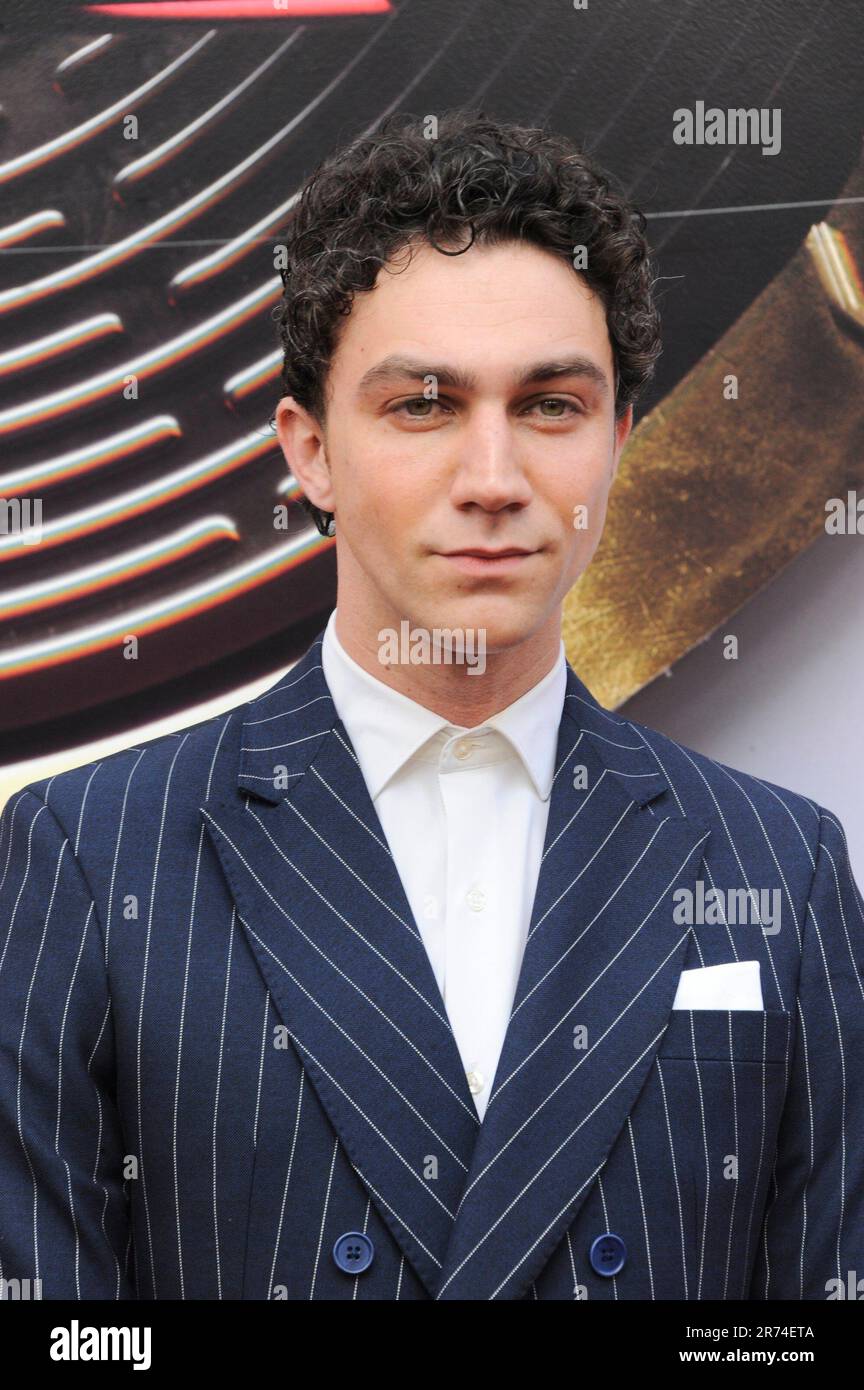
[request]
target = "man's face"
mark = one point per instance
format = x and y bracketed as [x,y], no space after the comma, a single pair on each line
[453,449]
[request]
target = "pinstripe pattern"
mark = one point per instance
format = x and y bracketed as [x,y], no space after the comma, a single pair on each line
[222,1044]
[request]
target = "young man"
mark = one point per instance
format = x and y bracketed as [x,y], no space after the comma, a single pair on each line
[431,978]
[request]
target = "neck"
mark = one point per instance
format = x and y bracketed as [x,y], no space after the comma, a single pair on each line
[447,688]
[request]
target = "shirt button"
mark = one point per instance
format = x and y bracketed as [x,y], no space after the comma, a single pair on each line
[463,749]
[476,899]
[475,1082]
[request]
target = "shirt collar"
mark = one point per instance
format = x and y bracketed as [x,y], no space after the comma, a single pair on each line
[386,728]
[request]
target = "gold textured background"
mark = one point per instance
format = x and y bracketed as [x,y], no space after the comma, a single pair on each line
[713,496]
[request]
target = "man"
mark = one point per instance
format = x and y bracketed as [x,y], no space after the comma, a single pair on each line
[430,978]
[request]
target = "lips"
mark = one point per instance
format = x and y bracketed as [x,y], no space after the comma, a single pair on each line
[489,554]
[488,564]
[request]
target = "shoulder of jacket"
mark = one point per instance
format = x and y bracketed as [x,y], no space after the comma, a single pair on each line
[148,762]
[721,789]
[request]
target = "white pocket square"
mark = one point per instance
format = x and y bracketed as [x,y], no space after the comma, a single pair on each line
[733,986]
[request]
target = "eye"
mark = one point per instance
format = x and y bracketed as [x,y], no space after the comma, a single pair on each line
[559,401]
[423,407]
[416,400]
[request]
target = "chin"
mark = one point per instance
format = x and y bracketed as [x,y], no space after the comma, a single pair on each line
[504,620]
[501,628]
[501,637]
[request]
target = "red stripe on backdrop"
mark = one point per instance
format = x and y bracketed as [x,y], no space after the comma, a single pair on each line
[239,9]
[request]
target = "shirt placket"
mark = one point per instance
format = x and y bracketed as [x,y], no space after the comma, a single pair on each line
[471,892]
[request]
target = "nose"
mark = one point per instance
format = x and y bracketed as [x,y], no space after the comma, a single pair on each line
[488,467]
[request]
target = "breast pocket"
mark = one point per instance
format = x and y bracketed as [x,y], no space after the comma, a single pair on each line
[723,1075]
[727,1035]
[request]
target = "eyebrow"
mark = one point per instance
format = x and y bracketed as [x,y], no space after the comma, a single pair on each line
[400,368]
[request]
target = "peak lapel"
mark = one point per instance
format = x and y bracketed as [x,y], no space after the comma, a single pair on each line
[598,978]
[326,915]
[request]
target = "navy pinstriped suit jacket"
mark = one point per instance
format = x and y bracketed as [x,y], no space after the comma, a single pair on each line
[222,1045]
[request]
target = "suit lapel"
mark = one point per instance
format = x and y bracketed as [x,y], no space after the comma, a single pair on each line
[326,915]
[598,978]
[476,1209]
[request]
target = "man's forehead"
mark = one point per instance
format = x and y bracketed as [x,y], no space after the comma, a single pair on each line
[401,328]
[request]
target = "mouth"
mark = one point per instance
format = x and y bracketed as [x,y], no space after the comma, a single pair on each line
[479,561]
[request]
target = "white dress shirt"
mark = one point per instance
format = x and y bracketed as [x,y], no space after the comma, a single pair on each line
[464,812]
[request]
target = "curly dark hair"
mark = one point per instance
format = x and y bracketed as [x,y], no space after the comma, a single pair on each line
[477,178]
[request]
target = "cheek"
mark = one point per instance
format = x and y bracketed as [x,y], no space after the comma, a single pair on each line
[384,517]
[595,482]
[583,507]
[597,507]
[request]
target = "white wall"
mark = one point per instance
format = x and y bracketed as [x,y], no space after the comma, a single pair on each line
[791,708]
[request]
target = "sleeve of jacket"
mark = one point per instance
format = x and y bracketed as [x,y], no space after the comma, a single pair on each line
[63,1209]
[813,1231]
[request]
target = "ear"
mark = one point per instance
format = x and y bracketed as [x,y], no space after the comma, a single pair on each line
[301,439]
[623,426]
